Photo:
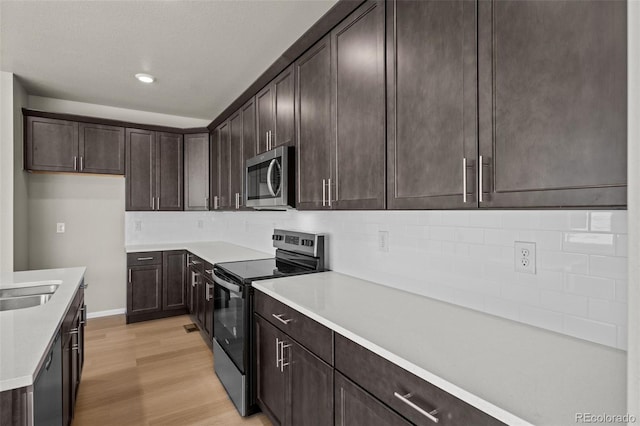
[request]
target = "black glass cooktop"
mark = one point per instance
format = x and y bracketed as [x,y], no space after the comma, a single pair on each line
[252,270]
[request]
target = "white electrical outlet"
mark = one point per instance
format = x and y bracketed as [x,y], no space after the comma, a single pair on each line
[138,225]
[525,257]
[60,228]
[200,224]
[383,240]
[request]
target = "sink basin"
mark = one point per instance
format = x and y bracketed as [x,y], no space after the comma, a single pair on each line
[35,290]
[11,303]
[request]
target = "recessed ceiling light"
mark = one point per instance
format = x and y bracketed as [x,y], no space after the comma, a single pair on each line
[145,78]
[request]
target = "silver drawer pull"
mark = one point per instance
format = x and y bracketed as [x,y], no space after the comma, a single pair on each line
[140,259]
[74,331]
[431,415]
[279,318]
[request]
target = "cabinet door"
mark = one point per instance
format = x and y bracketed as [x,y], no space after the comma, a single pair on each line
[271,381]
[283,108]
[67,386]
[202,303]
[235,160]
[309,390]
[214,170]
[264,126]
[249,143]
[169,171]
[208,309]
[101,149]
[140,170]
[358,181]
[143,289]
[52,145]
[191,307]
[354,406]
[196,171]
[224,174]
[174,280]
[552,124]
[431,104]
[314,125]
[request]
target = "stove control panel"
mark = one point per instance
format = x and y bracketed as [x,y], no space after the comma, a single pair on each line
[300,242]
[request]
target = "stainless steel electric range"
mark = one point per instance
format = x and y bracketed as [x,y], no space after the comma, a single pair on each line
[233,326]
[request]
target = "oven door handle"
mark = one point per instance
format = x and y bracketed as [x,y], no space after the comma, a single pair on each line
[226,284]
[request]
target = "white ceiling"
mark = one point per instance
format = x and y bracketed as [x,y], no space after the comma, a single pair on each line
[204,54]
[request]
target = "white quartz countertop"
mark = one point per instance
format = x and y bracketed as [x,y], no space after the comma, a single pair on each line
[517,373]
[26,334]
[212,252]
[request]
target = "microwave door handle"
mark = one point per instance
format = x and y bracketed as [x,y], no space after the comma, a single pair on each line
[269,172]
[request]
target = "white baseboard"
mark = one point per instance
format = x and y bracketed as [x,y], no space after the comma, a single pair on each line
[106,313]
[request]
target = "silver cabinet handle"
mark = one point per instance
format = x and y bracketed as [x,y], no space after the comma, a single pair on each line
[153,203]
[277,353]
[75,163]
[75,348]
[145,258]
[464,179]
[81,165]
[207,295]
[194,279]
[431,415]
[329,184]
[209,271]
[480,183]
[73,331]
[323,192]
[279,318]
[215,202]
[237,201]
[158,206]
[195,262]
[129,275]
[83,317]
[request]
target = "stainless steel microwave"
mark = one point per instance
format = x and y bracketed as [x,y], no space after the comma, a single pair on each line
[270,180]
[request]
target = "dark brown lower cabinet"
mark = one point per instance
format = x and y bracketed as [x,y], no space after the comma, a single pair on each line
[156,285]
[72,335]
[208,310]
[294,386]
[354,406]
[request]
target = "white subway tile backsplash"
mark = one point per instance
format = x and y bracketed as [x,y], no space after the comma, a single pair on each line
[590,286]
[610,267]
[589,243]
[594,331]
[462,257]
[607,311]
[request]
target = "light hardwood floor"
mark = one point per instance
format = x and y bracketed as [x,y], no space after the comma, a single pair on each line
[151,373]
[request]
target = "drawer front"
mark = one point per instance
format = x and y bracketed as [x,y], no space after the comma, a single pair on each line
[208,270]
[68,323]
[311,334]
[391,384]
[144,258]
[195,263]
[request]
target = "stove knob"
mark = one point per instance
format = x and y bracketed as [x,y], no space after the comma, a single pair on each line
[277,237]
[308,243]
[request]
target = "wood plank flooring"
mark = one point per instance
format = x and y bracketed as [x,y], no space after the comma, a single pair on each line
[151,373]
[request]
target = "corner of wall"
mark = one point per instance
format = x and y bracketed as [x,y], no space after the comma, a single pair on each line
[20,182]
[6,175]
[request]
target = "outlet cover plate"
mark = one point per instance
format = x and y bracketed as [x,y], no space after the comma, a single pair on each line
[383,241]
[525,257]
[60,227]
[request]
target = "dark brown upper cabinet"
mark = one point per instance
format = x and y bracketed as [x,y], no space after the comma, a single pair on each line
[68,146]
[314,123]
[340,116]
[236,163]
[214,170]
[249,141]
[196,171]
[101,149]
[221,198]
[275,105]
[431,104]
[154,170]
[552,103]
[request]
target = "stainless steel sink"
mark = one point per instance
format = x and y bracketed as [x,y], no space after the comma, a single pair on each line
[11,303]
[35,290]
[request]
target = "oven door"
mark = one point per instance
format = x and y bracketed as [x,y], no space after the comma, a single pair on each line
[267,179]
[228,319]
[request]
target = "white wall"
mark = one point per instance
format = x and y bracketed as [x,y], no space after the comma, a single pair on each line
[6,175]
[20,183]
[633,120]
[92,208]
[462,257]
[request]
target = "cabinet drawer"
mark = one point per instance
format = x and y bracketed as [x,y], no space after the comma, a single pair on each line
[208,271]
[311,334]
[385,379]
[144,258]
